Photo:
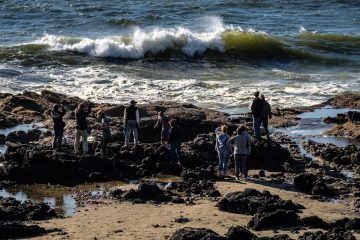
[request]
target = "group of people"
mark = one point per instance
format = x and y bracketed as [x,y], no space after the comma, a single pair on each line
[170,133]
[238,145]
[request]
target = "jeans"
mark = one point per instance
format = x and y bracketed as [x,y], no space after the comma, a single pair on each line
[58,137]
[131,127]
[256,125]
[240,165]
[83,134]
[223,162]
[175,150]
[265,123]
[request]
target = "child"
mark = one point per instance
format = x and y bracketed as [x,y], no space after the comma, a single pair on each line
[165,127]
[223,148]
[106,134]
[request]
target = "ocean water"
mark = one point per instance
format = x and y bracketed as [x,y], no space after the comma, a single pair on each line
[211,53]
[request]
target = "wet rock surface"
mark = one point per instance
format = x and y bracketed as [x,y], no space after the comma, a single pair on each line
[252,201]
[147,192]
[313,184]
[16,230]
[329,152]
[12,209]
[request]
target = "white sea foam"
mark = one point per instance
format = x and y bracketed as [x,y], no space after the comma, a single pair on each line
[141,43]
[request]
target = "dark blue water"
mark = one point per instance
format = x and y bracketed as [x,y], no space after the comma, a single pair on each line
[211,53]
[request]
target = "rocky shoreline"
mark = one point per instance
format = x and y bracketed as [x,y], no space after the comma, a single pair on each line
[29,159]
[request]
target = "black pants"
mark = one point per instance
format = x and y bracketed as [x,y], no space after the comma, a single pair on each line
[265,123]
[58,138]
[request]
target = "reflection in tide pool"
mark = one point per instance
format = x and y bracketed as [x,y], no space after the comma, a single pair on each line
[64,203]
[327,111]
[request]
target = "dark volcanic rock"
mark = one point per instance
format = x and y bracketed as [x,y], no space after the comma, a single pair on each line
[16,230]
[271,220]
[198,182]
[252,201]
[348,224]
[314,222]
[333,234]
[276,237]
[11,209]
[305,182]
[312,184]
[268,155]
[147,192]
[182,219]
[196,234]
[239,233]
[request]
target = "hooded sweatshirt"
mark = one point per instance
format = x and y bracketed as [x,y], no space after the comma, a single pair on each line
[242,144]
[222,142]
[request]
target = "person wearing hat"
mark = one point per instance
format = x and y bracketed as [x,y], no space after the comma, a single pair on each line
[131,123]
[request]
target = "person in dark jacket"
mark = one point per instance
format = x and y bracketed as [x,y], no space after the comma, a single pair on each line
[131,123]
[265,115]
[256,108]
[175,140]
[57,114]
[163,121]
[81,113]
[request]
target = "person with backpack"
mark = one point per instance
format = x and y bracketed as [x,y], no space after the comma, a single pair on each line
[242,150]
[223,148]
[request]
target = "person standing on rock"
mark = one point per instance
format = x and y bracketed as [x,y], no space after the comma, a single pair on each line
[163,120]
[131,123]
[265,115]
[242,149]
[256,108]
[175,140]
[223,148]
[106,133]
[81,113]
[57,114]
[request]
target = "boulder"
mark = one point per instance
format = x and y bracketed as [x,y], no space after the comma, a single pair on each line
[240,233]
[252,201]
[196,234]
[274,220]
[147,192]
